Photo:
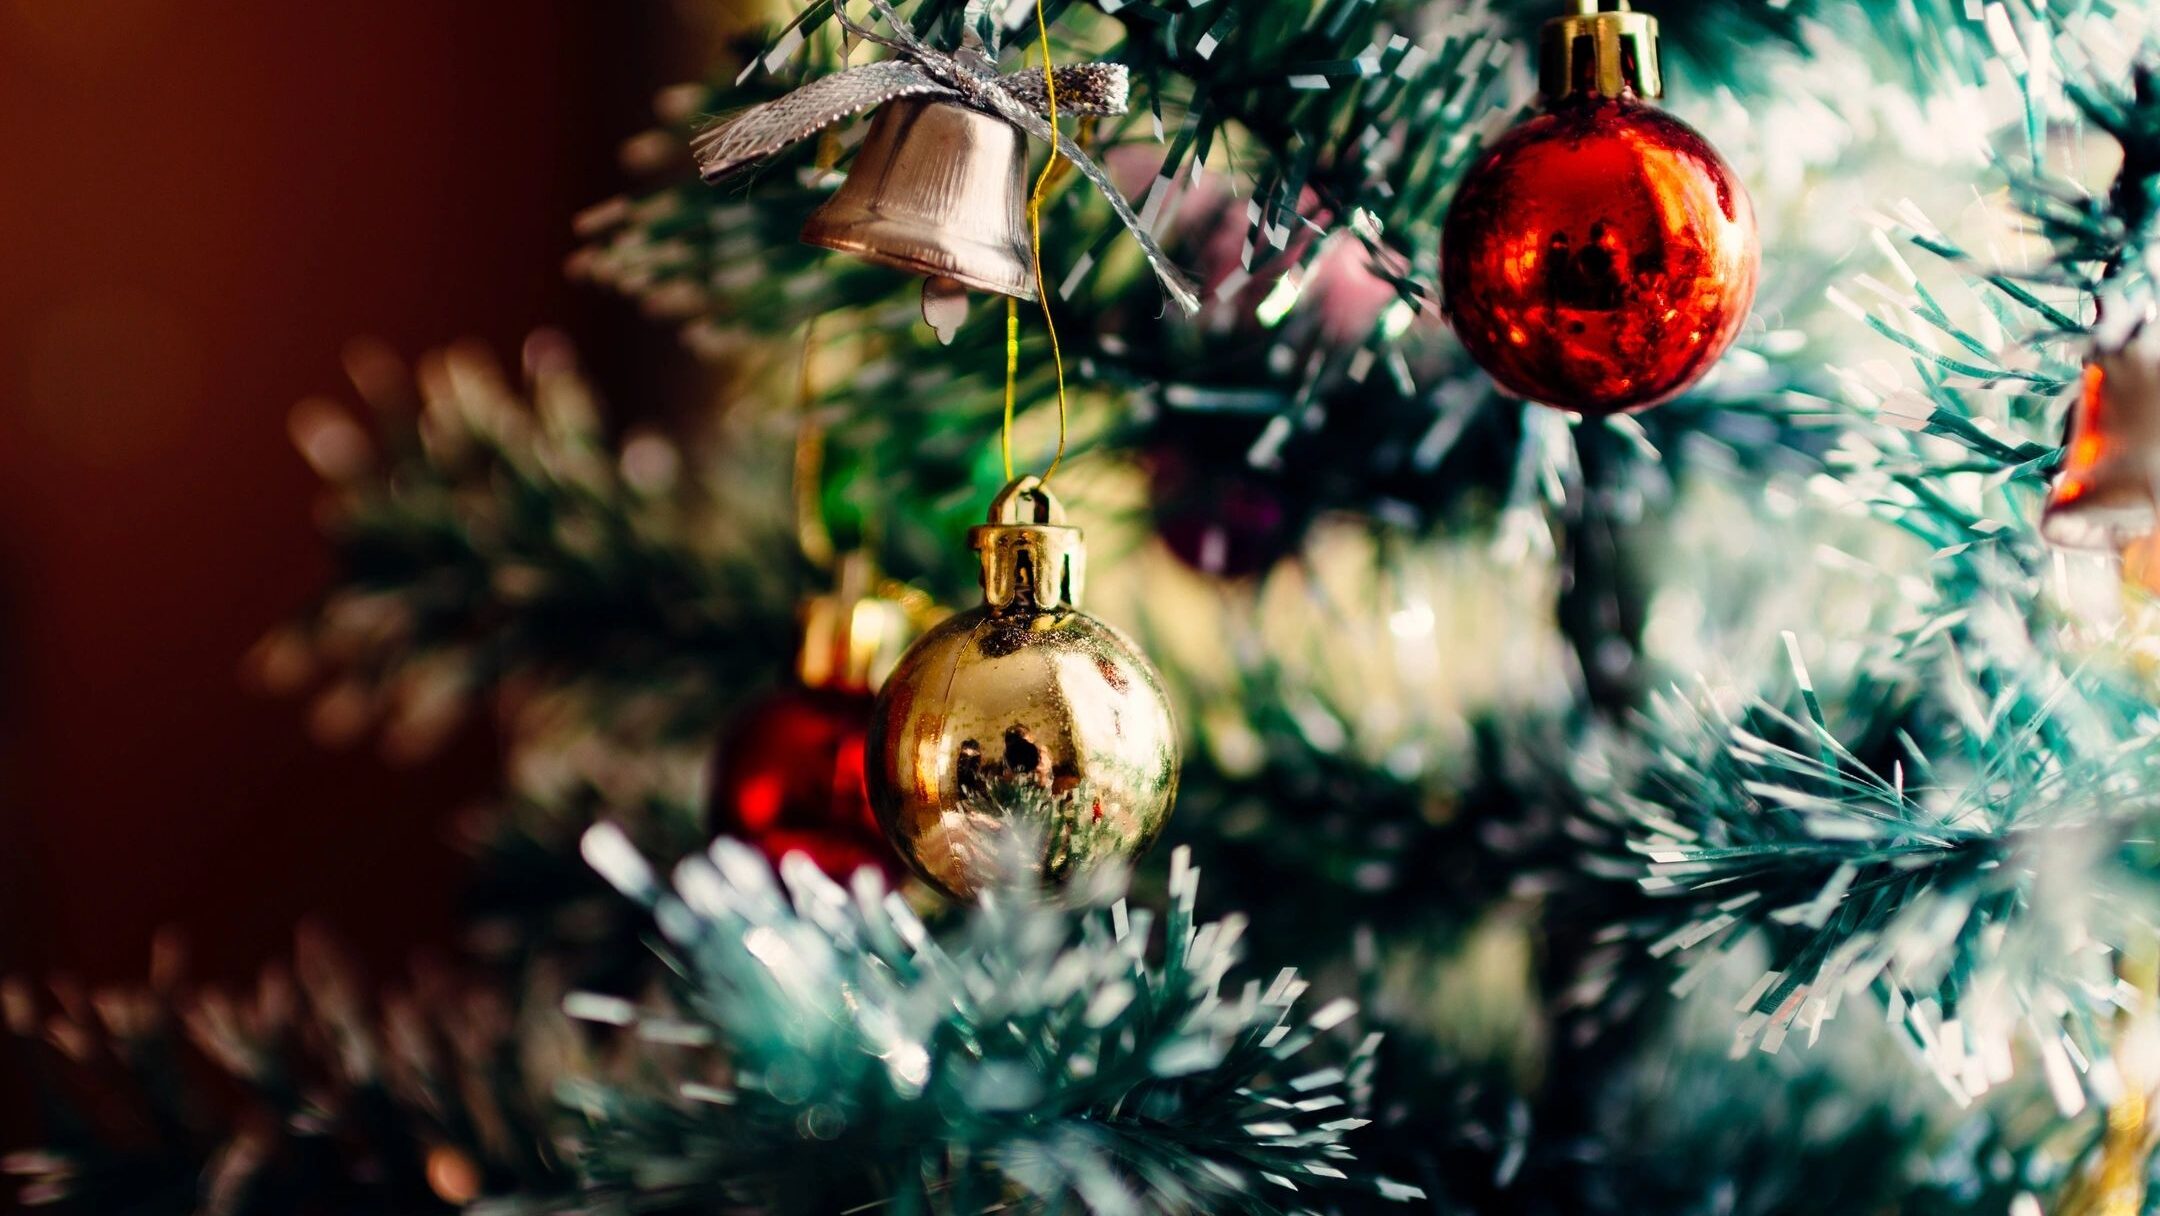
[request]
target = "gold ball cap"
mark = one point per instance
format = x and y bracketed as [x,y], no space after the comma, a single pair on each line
[852,636]
[1032,560]
[1595,51]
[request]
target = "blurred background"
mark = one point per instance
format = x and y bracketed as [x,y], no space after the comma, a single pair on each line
[209,202]
[204,202]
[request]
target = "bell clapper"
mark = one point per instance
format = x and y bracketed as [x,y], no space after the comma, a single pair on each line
[944,306]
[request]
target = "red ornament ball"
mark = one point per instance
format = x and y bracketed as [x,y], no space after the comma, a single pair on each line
[1599,257]
[790,780]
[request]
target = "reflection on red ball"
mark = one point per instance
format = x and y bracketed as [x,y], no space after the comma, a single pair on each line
[1600,257]
[790,780]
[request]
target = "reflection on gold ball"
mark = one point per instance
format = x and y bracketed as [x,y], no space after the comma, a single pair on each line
[1046,730]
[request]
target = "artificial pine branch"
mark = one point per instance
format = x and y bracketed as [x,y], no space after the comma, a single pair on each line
[1966,883]
[305,1095]
[488,540]
[1936,874]
[1036,1053]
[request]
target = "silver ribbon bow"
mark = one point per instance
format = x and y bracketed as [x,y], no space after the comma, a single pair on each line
[968,77]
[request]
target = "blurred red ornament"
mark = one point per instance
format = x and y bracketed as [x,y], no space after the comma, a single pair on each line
[1225,523]
[2107,489]
[789,774]
[791,781]
[1602,255]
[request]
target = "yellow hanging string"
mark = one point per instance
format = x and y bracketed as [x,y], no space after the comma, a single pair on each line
[1012,373]
[1042,289]
[811,534]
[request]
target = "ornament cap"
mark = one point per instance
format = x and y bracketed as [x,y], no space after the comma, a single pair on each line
[851,637]
[1032,561]
[1594,51]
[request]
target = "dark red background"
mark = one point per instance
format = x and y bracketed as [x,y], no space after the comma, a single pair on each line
[200,201]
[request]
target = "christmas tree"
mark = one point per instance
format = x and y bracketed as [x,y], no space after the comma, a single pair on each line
[1618,537]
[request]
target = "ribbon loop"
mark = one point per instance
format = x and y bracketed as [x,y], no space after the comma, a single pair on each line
[1089,90]
[760,131]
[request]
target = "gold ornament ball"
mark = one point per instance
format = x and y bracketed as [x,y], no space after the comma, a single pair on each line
[1022,731]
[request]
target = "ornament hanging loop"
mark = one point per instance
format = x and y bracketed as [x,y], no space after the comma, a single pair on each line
[1026,500]
[1032,560]
[1592,50]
